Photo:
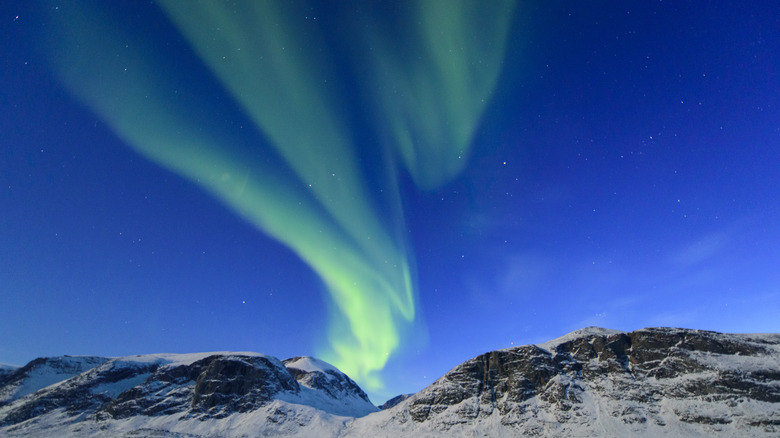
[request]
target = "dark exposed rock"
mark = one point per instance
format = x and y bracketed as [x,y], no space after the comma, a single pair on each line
[86,392]
[512,375]
[327,387]
[168,390]
[331,381]
[50,370]
[5,374]
[394,401]
[238,384]
[212,387]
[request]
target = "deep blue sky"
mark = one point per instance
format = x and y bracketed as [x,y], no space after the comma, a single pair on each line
[625,173]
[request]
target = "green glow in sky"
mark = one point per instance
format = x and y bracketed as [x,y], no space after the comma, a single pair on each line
[309,190]
[433,79]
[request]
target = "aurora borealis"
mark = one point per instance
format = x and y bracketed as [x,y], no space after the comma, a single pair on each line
[411,182]
[279,76]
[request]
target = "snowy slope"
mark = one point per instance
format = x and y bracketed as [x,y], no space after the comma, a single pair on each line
[326,388]
[577,334]
[43,372]
[311,365]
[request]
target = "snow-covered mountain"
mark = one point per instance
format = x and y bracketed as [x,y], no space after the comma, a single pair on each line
[592,382]
[598,382]
[212,394]
[40,373]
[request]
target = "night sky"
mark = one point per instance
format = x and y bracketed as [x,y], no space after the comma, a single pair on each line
[394,188]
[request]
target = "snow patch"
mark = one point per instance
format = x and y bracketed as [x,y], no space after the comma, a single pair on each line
[310,364]
[176,359]
[115,388]
[581,333]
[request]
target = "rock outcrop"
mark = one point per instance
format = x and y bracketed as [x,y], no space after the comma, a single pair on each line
[213,387]
[42,372]
[394,401]
[328,388]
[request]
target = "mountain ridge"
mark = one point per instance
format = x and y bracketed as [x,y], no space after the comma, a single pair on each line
[591,382]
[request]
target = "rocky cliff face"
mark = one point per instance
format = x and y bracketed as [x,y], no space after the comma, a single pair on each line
[42,372]
[328,388]
[213,387]
[394,401]
[593,382]
[596,382]
[184,392]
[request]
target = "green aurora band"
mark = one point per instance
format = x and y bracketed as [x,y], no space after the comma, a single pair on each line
[430,82]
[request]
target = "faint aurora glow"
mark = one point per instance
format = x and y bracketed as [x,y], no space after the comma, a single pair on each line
[427,93]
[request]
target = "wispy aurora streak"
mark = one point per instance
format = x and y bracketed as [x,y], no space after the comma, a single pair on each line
[427,94]
[433,79]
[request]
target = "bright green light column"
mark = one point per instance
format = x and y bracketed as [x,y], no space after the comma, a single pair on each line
[430,84]
[276,69]
[322,214]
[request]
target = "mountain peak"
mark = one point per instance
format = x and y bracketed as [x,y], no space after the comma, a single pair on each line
[309,364]
[583,332]
[326,387]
